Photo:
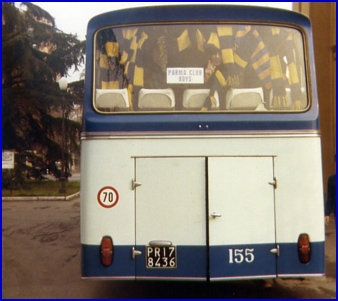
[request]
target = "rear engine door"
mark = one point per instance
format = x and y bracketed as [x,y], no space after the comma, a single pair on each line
[241,217]
[170,218]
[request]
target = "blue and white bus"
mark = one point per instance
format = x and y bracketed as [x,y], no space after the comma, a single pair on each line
[201,148]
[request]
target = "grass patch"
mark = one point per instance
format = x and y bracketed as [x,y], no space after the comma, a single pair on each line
[43,188]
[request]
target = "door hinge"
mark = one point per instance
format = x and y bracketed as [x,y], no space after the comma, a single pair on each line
[135,184]
[274,183]
[135,253]
[275,250]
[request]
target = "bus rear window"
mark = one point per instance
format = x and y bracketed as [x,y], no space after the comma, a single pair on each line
[205,68]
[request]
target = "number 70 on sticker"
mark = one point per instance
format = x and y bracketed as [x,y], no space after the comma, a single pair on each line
[108,197]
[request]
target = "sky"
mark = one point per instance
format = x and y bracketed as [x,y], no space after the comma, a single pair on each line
[73,17]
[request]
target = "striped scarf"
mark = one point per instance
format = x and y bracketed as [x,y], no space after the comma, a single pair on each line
[240,47]
[281,48]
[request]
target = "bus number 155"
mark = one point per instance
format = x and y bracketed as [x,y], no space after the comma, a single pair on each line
[239,255]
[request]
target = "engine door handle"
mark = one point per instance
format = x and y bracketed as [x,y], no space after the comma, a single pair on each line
[135,253]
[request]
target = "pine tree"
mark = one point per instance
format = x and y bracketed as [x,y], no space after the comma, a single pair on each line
[34,55]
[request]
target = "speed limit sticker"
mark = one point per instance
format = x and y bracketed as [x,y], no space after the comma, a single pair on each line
[108,197]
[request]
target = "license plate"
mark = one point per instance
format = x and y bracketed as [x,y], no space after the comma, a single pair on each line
[161,257]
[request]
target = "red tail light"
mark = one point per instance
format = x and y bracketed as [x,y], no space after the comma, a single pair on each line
[106,251]
[304,248]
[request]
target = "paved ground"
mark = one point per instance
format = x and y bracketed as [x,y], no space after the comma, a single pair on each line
[41,259]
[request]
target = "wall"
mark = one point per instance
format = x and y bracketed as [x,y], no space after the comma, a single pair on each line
[323,19]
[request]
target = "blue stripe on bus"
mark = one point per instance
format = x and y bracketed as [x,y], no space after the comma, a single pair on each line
[264,263]
[195,122]
[290,264]
[192,263]
[123,264]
